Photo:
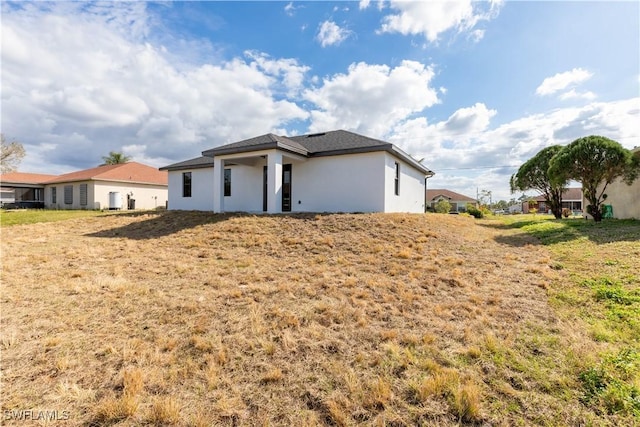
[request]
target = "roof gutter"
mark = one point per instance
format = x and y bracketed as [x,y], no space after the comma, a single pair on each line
[398,152]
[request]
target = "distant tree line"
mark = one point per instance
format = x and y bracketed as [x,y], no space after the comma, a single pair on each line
[594,161]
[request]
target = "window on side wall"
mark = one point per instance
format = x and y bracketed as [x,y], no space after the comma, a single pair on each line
[54,195]
[83,194]
[186,184]
[227,182]
[68,194]
[397,180]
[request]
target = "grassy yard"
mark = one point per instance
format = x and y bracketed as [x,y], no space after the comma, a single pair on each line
[198,319]
[32,216]
[600,291]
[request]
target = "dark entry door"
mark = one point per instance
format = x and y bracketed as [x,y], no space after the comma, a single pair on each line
[286,188]
[264,188]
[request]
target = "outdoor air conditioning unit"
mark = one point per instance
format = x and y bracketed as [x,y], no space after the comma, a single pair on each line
[115,200]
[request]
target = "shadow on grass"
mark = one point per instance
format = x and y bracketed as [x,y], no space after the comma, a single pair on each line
[547,231]
[160,224]
[165,223]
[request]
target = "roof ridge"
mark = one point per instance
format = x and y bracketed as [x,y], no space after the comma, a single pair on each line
[129,171]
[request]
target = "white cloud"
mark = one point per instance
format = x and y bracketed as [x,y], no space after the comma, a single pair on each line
[432,18]
[287,71]
[561,81]
[457,147]
[460,129]
[92,95]
[572,94]
[371,99]
[469,121]
[290,9]
[476,35]
[330,33]
[364,4]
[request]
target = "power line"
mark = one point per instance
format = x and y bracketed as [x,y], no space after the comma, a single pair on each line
[452,138]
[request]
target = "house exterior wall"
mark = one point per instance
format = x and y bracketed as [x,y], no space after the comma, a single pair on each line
[412,190]
[324,184]
[344,183]
[625,199]
[246,188]
[75,196]
[146,196]
[201,190]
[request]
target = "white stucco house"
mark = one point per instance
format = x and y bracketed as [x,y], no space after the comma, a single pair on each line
[335,171]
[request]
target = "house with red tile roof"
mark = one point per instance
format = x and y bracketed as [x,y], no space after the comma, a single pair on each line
[458,201]
[129,185]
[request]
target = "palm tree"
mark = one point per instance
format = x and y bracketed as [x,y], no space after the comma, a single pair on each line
[115,158]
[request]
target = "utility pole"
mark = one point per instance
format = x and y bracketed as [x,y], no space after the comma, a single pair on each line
[486,193]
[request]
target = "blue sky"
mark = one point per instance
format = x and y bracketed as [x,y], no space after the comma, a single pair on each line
[475,88]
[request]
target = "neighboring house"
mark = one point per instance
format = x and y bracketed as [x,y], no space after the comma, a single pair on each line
[24,190]
[571,199]
[336,171]
[122,186]
[624,199]
[458,201]
[129,185]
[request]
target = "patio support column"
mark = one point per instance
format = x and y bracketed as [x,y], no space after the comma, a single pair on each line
[274,182]
[218,183]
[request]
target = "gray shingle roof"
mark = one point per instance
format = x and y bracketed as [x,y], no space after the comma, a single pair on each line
[262,142]
[344,142]
[198,162]
[329,143]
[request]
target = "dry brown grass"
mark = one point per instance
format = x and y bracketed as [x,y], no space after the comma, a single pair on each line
[271,320]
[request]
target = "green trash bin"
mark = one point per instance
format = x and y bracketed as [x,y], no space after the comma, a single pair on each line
[607,211]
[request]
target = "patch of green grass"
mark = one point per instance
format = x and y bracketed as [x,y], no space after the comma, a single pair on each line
[551,231]
[609,385]
[600,286]
[32,216]
[620,305]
